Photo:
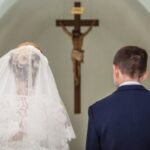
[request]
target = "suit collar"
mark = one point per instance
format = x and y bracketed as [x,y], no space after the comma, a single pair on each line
[130,83]
[130,87]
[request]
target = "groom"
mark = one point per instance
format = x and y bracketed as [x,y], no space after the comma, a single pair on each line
[121,121]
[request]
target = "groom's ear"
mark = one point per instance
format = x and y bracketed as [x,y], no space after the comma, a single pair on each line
[144,77]
[115,71]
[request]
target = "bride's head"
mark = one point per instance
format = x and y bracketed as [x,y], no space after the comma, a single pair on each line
[24,62]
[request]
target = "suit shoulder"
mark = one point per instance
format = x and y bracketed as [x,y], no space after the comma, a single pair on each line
[147,90]
[107,101]
[102,102]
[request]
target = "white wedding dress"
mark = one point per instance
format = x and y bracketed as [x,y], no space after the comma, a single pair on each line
[32,115]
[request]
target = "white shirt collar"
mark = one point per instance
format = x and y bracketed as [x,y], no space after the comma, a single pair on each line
[130,83]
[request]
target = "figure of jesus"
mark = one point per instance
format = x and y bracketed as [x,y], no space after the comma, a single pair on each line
[77,54]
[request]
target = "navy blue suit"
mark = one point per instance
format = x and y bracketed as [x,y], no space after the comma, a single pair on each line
[120,121]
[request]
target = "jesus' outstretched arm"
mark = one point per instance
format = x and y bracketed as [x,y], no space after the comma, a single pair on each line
[88,30]
[65,30]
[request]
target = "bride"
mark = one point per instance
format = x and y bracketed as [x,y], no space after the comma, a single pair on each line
[32,114]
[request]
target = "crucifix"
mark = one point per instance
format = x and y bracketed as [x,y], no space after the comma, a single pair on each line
[77,38]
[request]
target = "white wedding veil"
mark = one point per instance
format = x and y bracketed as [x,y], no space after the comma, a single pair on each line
[32,114]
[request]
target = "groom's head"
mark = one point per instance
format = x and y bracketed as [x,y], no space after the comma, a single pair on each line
[130,63]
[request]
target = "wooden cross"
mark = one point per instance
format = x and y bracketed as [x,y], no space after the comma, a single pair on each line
[77,53]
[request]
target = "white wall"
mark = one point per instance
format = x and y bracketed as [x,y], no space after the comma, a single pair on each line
[122,23]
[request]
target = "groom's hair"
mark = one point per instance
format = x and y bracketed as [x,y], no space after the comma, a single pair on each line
[132,61]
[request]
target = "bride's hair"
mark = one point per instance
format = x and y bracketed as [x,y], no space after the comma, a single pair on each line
[30,43]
